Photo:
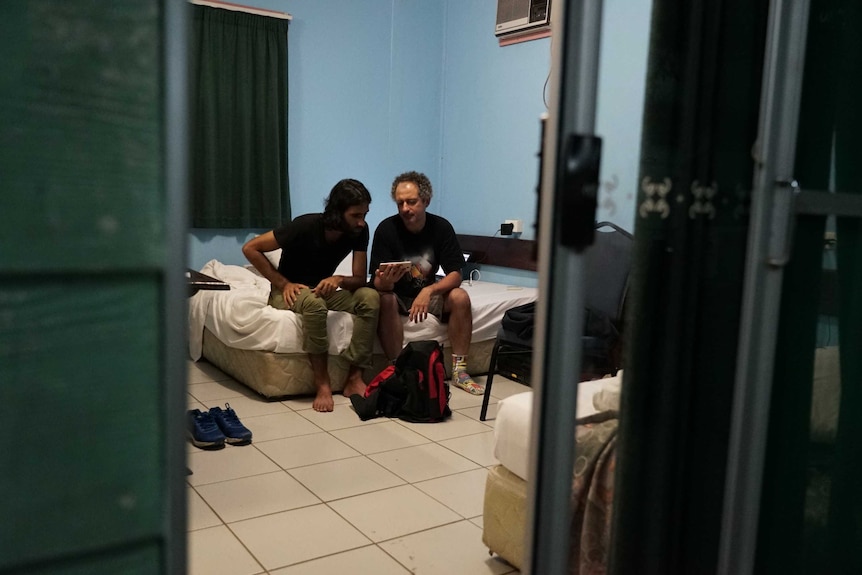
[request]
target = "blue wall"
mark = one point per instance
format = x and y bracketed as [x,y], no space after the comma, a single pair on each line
[378,87]
[490,130]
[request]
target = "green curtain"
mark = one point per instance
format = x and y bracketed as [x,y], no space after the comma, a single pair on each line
[700,122]
[239,120]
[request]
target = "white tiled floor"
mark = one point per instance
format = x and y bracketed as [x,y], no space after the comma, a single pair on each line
[326,493]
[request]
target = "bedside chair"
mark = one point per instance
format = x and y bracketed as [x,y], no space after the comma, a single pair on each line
[607,264]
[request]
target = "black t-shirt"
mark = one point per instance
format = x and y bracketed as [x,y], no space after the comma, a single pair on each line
[306,258]
[435,245]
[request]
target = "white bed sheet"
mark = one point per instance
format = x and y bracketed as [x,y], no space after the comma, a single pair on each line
[512,428]
[241,318]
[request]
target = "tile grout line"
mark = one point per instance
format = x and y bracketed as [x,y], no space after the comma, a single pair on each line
[368,456]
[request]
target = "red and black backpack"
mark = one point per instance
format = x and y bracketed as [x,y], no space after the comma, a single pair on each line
[414,389]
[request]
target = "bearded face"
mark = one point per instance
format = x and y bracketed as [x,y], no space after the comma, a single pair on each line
[353,219]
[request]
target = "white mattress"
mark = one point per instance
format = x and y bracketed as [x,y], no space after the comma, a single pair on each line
[241,318]
[512,425]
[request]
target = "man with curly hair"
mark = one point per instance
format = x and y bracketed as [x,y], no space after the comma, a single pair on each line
[427,241]
[312,246]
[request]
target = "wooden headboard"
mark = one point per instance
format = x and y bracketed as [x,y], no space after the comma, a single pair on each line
[506,252]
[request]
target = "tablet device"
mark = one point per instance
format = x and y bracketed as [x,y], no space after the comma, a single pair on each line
[405,264]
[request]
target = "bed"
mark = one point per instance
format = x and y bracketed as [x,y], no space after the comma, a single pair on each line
[261,347]
[505,504]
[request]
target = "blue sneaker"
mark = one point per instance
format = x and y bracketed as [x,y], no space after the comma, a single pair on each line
[203,430]
[235,432]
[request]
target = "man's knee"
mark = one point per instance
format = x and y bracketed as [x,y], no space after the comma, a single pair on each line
[458,300]
[311,305]
[367,296]
[367,300]
[388,303]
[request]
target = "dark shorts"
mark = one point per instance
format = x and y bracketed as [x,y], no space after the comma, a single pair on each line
[435,307]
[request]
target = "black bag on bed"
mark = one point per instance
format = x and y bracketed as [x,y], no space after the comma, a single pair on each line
[414,389]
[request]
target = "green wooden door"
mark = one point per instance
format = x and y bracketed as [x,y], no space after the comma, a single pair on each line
[91,371]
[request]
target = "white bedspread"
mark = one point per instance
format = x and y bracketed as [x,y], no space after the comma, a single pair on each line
[241,318]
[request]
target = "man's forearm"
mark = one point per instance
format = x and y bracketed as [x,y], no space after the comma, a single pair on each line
[449,282]
[262,264]
[352,283]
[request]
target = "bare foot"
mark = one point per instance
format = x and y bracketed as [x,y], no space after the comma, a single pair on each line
[354,386]
[323,401]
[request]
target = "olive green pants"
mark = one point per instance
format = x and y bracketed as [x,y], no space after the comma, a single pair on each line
[364,304]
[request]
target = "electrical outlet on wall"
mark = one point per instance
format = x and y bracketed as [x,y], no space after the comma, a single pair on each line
[517,226]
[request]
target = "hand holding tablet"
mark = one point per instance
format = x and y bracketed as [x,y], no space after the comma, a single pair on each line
[405,264]
[393,271]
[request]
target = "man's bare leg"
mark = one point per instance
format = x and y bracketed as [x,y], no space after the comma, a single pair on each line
[390,330]
[354,383]
[460,320]
[460,330]
[323,401]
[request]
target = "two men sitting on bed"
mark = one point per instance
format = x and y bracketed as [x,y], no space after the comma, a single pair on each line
[427,241]
[312,247]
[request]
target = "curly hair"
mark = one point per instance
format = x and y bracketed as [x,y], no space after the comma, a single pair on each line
[345,194]
[421,180]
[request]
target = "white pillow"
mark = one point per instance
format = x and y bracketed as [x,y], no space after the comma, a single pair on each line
[345,268]
[608,397]
[274,257]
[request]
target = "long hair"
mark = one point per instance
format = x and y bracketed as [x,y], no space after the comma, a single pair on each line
[421,180]
[345,194]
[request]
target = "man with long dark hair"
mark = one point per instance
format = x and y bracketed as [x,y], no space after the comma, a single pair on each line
[312,246]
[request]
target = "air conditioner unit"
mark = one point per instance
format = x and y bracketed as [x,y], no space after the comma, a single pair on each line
[520,15]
